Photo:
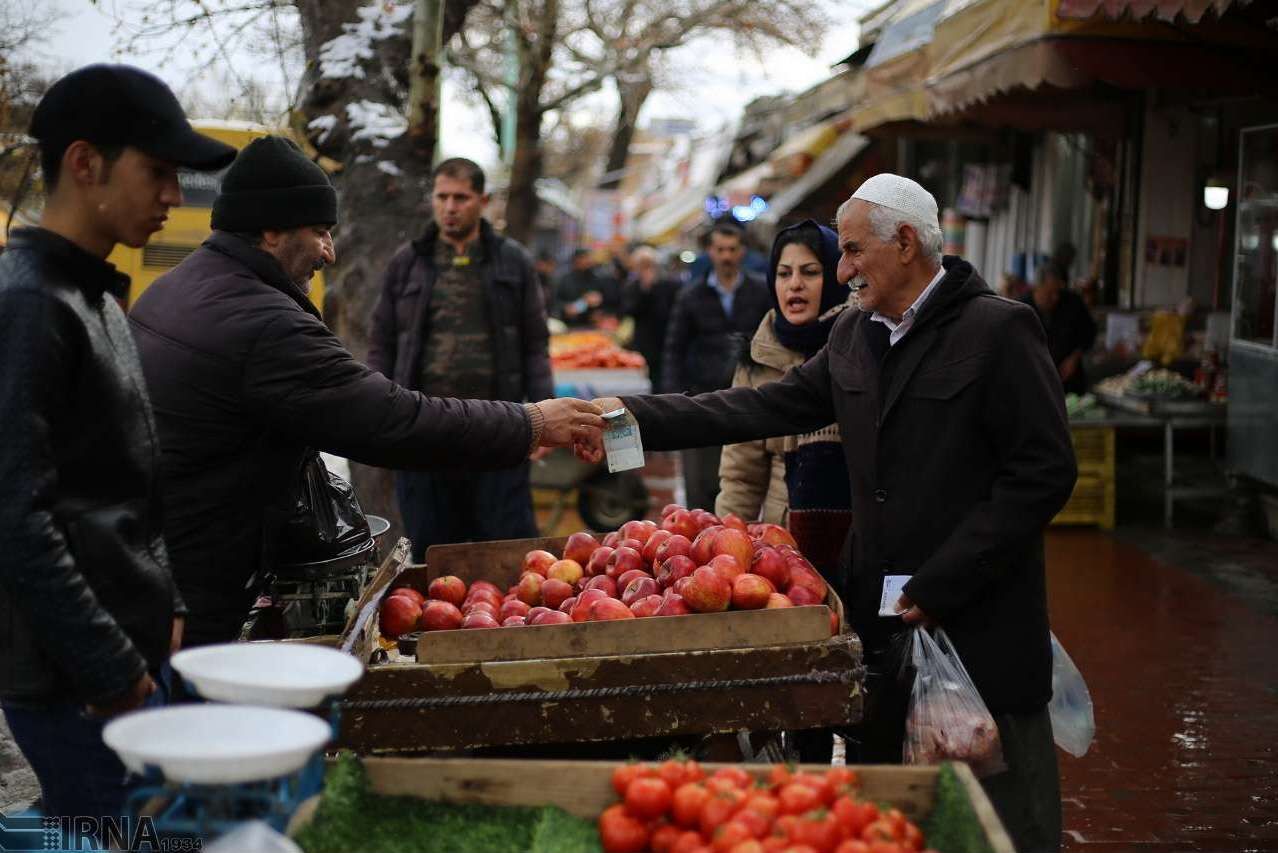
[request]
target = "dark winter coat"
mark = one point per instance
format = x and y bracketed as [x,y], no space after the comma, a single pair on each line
[650,310]
[86,598]
[244,377]
[515,309]
[704,344]
[1069,329]
[959,455]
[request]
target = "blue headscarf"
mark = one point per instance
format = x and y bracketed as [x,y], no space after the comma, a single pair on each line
[824,243]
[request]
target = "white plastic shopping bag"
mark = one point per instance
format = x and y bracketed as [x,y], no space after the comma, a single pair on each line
[1073,720]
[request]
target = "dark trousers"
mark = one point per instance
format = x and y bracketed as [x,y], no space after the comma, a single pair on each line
[1027,796]
[701,476]
[441,508]
[79,775]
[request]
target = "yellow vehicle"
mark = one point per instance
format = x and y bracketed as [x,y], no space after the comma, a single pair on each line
[188,225]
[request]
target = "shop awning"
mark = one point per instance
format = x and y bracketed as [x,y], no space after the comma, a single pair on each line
[794,156]
[890,86]
[741,187]
[1165,10]
[834,158]
[668,220]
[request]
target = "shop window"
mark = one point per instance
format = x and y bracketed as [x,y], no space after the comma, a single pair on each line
[1256,255]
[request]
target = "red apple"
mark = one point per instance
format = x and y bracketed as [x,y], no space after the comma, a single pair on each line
[554,592]
[447,588]
[769,563]
[599,560]
[646,606]
[607,609]
[649,552]
[513,608]
[530,588]
[803,596]
[751,592]
[777,599]
[727,567]
[440,616]
[633,544]
[479,620]
[514,622]
[539,562]
[734,521]
[604,584]
[669,508]
[612,539]
[805,575]
[672,604]
[581,610]
[411,593]
[567,604]
[834,623]
[735,544]
[579,547]
[676,545]
[481,607]
[535,614]
[680,521]
[680,585]
[624,580]
[485,585]
[399,615]
[623,560]
[639,588]
[678,566]
[703,545]
[775,534]
[707,591]
[704,518]
[568,571]
[638,530]
[487,595]
[555,617]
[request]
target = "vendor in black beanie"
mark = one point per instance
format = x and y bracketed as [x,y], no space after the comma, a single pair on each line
[247,380]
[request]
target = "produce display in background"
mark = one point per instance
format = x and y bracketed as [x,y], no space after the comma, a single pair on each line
[674,807]
[693,562]
[1164,385]
[1083,406]
[602,356]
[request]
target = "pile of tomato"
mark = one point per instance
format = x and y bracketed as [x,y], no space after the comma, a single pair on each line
[674,807]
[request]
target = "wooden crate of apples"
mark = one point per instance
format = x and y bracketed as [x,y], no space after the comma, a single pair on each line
[690,563]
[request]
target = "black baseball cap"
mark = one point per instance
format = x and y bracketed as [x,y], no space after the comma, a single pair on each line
[123,105]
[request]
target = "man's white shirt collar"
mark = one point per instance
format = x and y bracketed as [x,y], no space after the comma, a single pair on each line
[898,330]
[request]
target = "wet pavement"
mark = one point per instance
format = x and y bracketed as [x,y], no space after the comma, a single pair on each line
[1182,662]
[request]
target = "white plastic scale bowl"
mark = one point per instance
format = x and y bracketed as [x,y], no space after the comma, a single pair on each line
[280,675]
[217,744]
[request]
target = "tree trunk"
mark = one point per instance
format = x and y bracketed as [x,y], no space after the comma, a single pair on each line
[633,93]
[521,196]
[383,190]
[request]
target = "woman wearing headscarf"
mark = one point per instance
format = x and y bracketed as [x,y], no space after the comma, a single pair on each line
[799,481]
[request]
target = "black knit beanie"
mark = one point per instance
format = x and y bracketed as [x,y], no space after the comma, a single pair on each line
[272,185]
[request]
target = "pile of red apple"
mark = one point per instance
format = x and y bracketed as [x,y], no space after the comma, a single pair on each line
[692,562]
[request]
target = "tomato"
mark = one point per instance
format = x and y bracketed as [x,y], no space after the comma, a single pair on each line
[757,824]
[885,847]
[775,844]
[852,845]
[897,819]
[718,810]
[763,803]
[818,830]
[779,776]
[784,826]
[721,784]
[648,798]
[854,816]
[820,784]
[692,771]
[879,830]
[736,775]
[752,845]
[797,798]
[841,778]
[687,801]
[664,838]
[913,837]
[732,833]
[687,842]
[621,833]
[799,848]
[625,774]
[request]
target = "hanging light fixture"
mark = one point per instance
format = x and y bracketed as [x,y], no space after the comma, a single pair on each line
[1215,194]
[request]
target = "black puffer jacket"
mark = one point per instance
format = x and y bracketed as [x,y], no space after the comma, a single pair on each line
[86,598]
[515,309]
[245,376]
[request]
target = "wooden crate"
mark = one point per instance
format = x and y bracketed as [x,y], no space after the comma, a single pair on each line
[1092,501]
[584,788]
[660,677]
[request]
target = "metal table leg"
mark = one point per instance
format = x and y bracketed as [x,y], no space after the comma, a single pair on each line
[1168,477]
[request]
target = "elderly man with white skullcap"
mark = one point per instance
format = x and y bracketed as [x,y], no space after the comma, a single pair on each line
[953,425]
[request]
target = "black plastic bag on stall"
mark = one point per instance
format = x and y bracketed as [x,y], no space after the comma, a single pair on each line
[323,520]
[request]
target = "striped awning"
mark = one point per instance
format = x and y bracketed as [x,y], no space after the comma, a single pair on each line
[1164,10]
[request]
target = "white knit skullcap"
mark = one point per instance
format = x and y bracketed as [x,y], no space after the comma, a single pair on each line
[899,194]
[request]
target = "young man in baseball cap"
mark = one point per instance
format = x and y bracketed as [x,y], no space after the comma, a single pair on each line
[88,607]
